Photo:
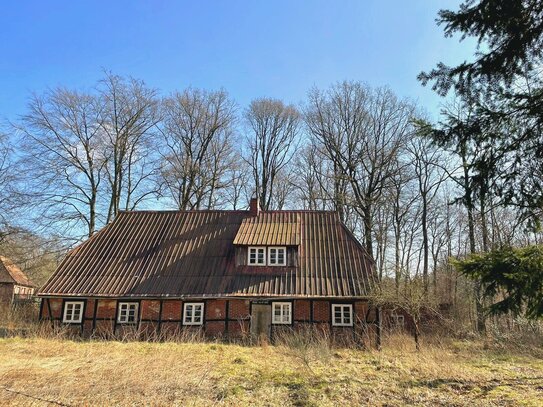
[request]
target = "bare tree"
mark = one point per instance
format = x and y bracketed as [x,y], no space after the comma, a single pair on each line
[7,183]
[62,152]
[402,201]
[316,184]
[271,140]
[426,159]
[197,126]
[362,130]
[219,166]
[237,192]
[129,116]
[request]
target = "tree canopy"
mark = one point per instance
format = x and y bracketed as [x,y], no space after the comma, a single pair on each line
[512,278]
[511,33]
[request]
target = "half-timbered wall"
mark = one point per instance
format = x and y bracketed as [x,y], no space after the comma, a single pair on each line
[222,317]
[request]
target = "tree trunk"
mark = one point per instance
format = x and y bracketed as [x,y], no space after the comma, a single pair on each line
[468,201]
[424,225]
[368,226]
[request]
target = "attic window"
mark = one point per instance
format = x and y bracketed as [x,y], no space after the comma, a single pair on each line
[277,256]
[73,312]
[257,256]
[128,312]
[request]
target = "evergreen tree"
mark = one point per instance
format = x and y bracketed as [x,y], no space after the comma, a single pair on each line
[512,278]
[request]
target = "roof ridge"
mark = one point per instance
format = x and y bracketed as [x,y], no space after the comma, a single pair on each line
[247,211]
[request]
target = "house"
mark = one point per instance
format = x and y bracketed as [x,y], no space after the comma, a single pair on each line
[223,272]
[14,284]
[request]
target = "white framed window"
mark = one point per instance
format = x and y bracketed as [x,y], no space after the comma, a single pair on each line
[277,256]
[281,312]
[73,312]
[128,313]
[193,313]
[342,315]
[257,256]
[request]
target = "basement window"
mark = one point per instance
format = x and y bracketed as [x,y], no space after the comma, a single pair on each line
[257,256]
[281,313]
[277,256]
[193,313]
[73,312]
[128,313]
[342,315]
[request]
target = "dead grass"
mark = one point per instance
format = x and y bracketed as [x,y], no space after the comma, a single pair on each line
[36,371]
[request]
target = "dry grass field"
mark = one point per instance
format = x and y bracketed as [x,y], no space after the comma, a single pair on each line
[45,371]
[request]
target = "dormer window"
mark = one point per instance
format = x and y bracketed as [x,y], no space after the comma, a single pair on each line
[257,256]
[267,256]
[277,256]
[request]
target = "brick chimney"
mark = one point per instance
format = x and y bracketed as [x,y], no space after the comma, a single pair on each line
[254,207]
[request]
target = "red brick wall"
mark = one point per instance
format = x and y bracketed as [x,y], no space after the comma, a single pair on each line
[89,308]
[239,309]
[172,310]
[87,328]
[106,309]
[321,311]
[302,310]
[150,309]
[360,311]
[215,309]
[238,328]
[56,307]
[214,328]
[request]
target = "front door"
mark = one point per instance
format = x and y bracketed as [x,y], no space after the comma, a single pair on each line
[260,321]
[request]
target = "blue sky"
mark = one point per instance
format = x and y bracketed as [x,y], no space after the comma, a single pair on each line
[251,48]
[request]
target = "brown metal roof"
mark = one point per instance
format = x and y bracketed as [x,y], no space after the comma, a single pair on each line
[191,254]
[270,229]
[10,273]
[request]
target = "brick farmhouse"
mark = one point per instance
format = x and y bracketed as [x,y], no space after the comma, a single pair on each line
[225,273]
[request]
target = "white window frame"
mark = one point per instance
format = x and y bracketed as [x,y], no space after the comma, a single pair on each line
[282,305]
[124,319]
[342,307]
[192,319]
[277,248]
[73,320]
[256,263]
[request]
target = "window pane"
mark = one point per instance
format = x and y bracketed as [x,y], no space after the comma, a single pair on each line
[281,256]
[273,256]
